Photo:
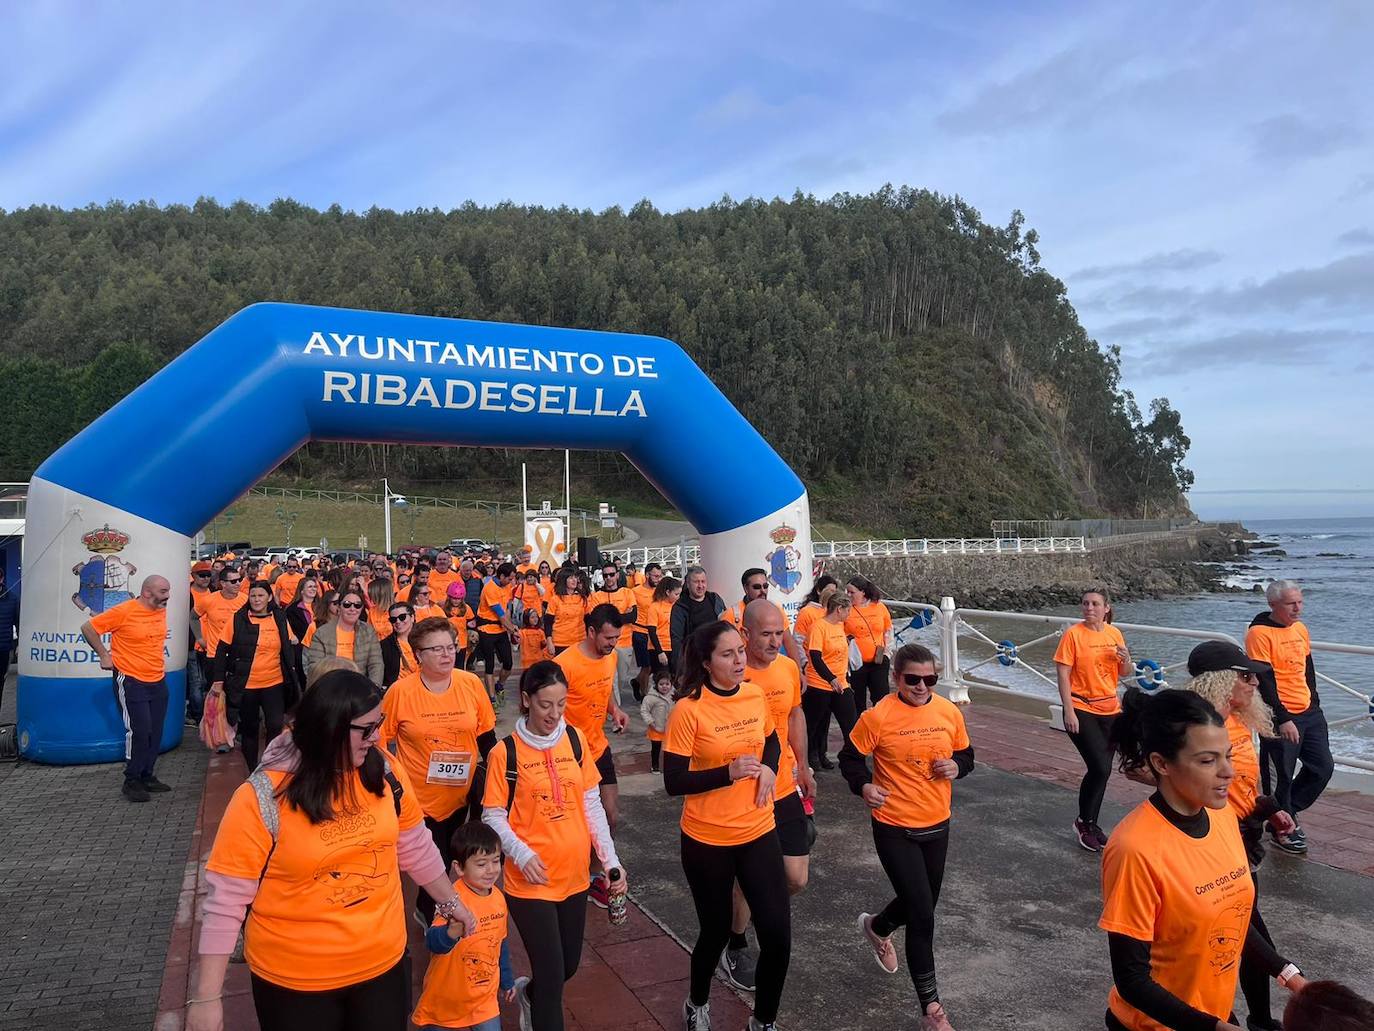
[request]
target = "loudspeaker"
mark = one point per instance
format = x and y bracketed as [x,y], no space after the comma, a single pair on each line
[588,552]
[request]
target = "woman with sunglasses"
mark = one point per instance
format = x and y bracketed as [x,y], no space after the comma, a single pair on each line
[348,634]
[300,617]
[315,843]
[255,670]
[440,726]
[919,746]
[398,656]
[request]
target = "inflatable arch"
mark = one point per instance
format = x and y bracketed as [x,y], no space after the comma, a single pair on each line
[124,497]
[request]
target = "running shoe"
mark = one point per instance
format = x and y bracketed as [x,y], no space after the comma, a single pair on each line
[499,701]
[134,791]
[1086,839]
[935,1019]
[522,999]
[694,1018]
[754,1025]
[600,891]
[738,966]
[1295,843]
[1098,833]
[1253,1023]
[883,949]
[824,762]
[1300,836]
[153,784]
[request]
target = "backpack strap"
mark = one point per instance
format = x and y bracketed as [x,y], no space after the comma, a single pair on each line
[576,742]
[397,789]
[512,770]
[268,809]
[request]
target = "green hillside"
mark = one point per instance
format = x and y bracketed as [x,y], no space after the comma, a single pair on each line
[916,365]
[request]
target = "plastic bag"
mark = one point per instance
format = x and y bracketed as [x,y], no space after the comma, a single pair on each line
[215,731]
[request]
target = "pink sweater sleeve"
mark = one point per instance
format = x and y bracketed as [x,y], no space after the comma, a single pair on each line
[418,855]
[226,902]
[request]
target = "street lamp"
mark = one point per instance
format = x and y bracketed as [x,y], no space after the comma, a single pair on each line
[388,499]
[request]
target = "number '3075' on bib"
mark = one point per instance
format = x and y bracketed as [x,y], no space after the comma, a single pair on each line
[453,769]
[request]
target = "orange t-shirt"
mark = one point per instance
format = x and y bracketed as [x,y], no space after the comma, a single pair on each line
[377,616]
[428,612]
[714,730]
[868,625]
[215,612]
[1244,786]
[829,639]
[781,685]
[435,737]
[461,986]
[547,814]
[329,909]
[1286,649]
[624,600]
[1093,667]
[309,635]
[569,619]
[438,582]
[532,646]
[589,695]
[345,639]
[285,587]
[905,740]
[138,639]
[266,668]
[663,623]
[806,618]
[644,605]
[493,594]
[1190,898]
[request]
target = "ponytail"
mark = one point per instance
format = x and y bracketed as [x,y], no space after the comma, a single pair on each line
[1158,724]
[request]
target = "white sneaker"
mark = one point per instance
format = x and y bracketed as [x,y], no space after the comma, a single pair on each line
[696,1018]
[522,999]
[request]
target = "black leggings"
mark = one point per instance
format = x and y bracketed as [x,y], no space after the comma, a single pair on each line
[270,704]
[381,1004]
[914,861]
[1092,742]
[817,705]
[1254,982]
[442,833]
[870,683]
[552,933]
[712,871]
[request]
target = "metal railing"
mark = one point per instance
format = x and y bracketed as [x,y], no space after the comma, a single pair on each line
[679,555]
[956,677]
[364,498]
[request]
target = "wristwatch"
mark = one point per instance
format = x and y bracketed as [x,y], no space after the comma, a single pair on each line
[1287,973]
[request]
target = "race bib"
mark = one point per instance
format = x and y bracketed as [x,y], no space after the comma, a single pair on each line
[452,769]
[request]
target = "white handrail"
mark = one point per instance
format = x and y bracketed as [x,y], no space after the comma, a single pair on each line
[676,555]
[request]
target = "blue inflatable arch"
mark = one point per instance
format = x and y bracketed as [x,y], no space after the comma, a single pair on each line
[167,459]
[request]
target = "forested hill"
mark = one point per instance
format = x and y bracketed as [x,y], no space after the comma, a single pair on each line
[916,365]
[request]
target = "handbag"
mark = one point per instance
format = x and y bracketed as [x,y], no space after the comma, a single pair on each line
[215,732]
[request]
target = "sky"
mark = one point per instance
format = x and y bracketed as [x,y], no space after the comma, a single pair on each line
[1201,174]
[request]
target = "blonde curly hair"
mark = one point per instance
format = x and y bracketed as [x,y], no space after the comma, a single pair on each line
[1216,687]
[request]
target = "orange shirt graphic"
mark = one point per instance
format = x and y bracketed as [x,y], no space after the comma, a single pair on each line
[868,625]
[713,731]
[1286,649]
[328,911]
[569,619]
[624,600]
[435,737]
[1244,788]
[215,612]
[1189,898]
[589,695]
[461,987]
[138,637]
[781,686]
[905,740]
[547,814]
[493,594]
[285,587]
[532,646]
[829,639]
[266,668]
[1093,666]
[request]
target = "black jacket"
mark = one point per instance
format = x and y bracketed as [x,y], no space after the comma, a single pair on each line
[234,661]
[9,616]
[391,660]
[687,615]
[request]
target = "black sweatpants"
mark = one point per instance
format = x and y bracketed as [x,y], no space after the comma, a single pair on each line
[1093,744]
[1254,982]
[712,871]
[260,704]
[870,683]
[381,1004]
[1313,749]
[143,707]
[442,833]
[552,934]
[817,705]
[914,861]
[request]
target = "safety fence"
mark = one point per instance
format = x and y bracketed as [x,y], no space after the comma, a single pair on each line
[948,623]
[354,497]
[677,555]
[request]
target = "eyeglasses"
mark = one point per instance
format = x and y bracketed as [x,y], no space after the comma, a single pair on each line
[350,604]
[912,679]
[230,579]
[1248,677]
[367,729]
[442,649]
[400,617]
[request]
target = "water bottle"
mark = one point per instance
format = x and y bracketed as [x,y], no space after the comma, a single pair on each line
[618,909]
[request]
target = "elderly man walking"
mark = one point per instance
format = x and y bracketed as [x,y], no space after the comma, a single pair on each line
[1279,638]
[138,635]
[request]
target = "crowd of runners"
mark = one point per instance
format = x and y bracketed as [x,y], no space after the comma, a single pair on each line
[365,699]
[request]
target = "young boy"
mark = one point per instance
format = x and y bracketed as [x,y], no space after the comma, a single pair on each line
[657,704]
[461,983]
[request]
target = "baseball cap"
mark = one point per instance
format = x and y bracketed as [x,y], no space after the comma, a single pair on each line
[202,567]
[1212,656]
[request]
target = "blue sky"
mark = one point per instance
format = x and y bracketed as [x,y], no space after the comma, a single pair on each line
[1201,174]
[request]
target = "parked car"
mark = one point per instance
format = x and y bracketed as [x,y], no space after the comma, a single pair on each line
[468,544]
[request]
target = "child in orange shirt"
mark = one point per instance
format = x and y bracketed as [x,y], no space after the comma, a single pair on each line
[534,645]
[655,709]
[461,983]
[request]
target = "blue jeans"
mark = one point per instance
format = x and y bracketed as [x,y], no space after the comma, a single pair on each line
[195,686]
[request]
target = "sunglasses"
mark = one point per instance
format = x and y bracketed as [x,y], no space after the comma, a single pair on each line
[202,574]
[230,579]
[1248,677]
[912,679]
[757,587]
[350,604]
[400,617]
[367,729]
